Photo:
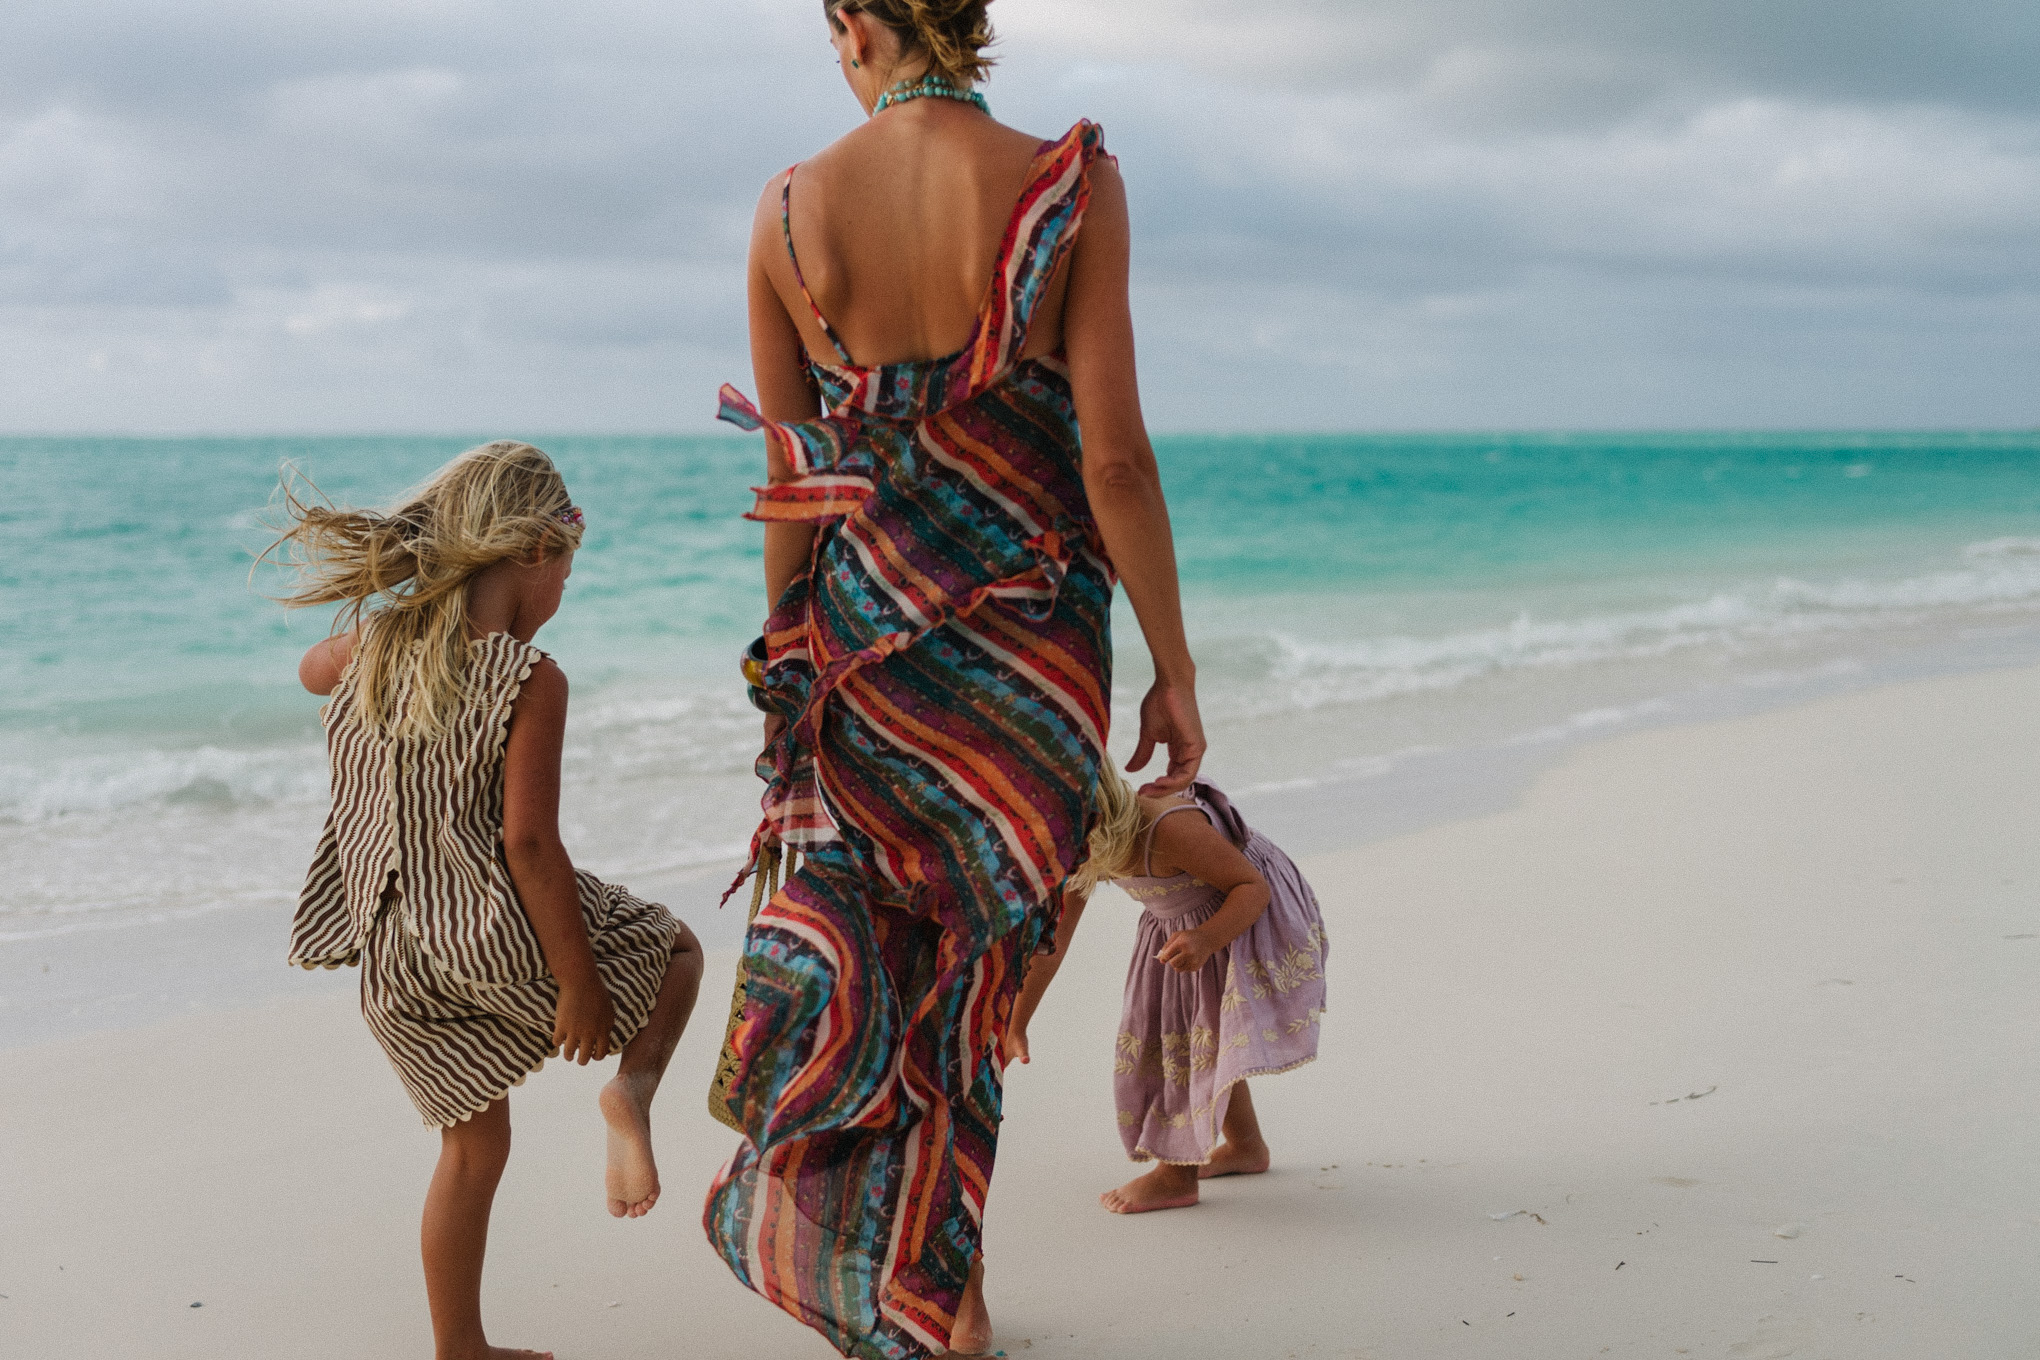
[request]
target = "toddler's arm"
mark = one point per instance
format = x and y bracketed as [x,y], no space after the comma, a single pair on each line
[539,866]
[1041,971]
[1192,845]
[320,670]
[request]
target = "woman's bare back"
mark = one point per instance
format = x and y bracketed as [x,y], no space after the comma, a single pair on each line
[897,226]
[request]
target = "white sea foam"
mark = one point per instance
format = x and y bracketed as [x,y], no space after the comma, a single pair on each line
[40,789]
[658,781]
[1273,671]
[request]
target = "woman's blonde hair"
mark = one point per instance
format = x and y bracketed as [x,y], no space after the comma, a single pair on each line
[1114,843]
[401,578]
[954,33]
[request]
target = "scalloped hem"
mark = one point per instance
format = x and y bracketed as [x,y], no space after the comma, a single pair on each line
[491,1100]
[313,965]
[1141,1154]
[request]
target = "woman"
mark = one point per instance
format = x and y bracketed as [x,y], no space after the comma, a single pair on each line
[937,667]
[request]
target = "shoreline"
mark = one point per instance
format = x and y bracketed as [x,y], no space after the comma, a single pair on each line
[1587,1057]
[94,977]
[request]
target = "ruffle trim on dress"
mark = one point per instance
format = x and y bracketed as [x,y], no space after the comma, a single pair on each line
[500,718]
[491,1100]
[1039,584]
[829,482]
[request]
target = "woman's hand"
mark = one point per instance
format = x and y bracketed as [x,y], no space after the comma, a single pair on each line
[582,1025]
[1169,719]
[1016,1042]
[1187,951]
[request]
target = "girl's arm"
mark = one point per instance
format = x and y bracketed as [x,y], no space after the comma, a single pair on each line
[1041,971]
[539,866]
[321,668]
[1192,845]
[1121,479]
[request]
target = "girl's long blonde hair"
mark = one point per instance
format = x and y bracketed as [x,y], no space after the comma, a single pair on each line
[401,577]
[1114,843]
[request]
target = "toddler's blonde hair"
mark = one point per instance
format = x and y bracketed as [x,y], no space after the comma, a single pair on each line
[1114,843]
[413,565]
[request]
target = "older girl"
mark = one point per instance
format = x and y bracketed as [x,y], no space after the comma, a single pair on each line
[483,951]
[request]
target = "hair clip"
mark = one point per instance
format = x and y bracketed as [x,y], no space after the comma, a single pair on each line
[573,518]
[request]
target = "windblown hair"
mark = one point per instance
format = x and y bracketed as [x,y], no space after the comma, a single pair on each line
[954,33]
[1114,844]
[401,577]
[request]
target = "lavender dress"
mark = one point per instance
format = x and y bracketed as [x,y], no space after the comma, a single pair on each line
[1253,1008]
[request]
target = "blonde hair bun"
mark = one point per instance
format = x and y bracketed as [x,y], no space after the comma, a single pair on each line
[954,33]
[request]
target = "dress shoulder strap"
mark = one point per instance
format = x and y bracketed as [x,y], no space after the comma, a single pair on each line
[786,226]
[1039,235]
[1147,863]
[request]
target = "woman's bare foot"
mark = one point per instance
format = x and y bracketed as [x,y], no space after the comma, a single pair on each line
[1165,1187]
[632,1181]
[498,1353]
[1235,1159]
[972,1334]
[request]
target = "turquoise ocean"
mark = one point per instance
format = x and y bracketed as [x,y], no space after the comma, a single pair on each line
[1381,622]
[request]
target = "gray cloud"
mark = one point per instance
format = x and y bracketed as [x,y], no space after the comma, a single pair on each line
[1582,55]
[455,214]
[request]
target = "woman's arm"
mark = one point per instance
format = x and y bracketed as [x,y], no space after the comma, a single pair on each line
[1121,479]
[539,866]
[1041,971]
[322,666]
[786,391]
[1192,845]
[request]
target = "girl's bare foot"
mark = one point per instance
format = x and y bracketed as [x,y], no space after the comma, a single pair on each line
[632,1181]
[1235,1159]
[972,1334]
[1166,1187]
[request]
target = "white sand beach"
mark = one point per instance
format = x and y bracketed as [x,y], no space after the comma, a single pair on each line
[1721,1043]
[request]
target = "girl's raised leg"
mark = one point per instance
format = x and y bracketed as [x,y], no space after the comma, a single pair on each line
[1243,1152]
[455,1234]
[632,1182]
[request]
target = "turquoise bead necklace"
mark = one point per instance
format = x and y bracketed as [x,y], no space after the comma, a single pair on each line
[928,87]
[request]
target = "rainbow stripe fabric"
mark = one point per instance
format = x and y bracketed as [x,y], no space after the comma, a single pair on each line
[945,668]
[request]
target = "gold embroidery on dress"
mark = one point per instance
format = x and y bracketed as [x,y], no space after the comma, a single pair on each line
[1286,974]
[1310,1017]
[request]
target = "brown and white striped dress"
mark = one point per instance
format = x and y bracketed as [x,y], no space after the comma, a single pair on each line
[410,882]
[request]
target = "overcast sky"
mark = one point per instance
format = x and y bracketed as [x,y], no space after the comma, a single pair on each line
[529,217]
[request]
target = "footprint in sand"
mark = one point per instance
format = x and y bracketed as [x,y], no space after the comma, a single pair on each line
[1775,1341]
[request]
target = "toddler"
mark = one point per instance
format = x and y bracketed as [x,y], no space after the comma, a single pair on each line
[1227,982]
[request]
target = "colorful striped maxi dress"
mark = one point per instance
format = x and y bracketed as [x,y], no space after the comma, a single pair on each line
[945,670]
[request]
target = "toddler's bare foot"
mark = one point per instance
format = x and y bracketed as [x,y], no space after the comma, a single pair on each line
[1166,1187]
[972,1334]
[632,1181]
[1235,1159]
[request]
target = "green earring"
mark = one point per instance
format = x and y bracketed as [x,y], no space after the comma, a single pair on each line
[855,64]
